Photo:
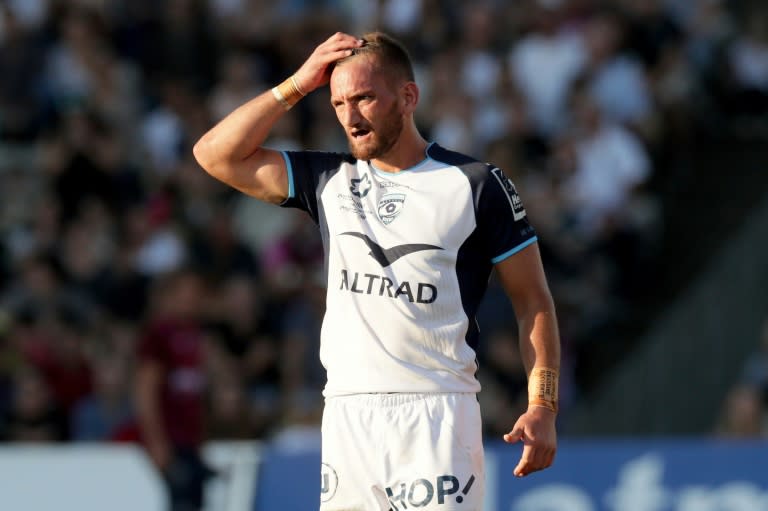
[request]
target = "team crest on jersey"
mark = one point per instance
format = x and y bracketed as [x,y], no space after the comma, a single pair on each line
[518,211]
[390,205]
[360,187]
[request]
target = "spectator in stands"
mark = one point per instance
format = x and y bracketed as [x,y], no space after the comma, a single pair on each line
[21,60]
[165,129]
[229,411]
[220,250]
[544,63]
[747,62]
[34,415]
[63,361]
[73,61]
[245,327]
[170,386]
[154,237]
[291,258]
[608,165]
[617,81]
[84,163]
[107,412]
[238,81]
[86,248]
[302,375]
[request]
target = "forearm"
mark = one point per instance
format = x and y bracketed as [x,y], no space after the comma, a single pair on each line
[540,352]
[523,279]
[539,337]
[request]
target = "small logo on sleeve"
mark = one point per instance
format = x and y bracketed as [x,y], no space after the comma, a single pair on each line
[518,211]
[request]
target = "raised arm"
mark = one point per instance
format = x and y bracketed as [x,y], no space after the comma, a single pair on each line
[523,279]
[232,150]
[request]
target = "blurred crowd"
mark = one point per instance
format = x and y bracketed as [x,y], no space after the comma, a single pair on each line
[111,235]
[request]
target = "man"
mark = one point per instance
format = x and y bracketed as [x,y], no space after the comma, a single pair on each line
[170,386]
[411,232]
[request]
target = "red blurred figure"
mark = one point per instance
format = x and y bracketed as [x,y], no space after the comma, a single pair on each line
[170,384]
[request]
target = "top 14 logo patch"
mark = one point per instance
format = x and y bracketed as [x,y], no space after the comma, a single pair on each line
[518,211]
[390,205]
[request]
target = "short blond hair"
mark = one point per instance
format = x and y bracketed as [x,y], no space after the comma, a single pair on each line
[390,52]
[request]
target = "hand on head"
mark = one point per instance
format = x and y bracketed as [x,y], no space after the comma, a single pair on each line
[316,70]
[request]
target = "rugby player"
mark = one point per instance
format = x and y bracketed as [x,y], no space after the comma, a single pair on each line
[411,231]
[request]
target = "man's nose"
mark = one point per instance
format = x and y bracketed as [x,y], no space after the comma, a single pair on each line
[350,116]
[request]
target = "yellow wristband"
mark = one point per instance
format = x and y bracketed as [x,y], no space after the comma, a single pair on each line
[288,93]
[296,86]
[280,98]
[543,387]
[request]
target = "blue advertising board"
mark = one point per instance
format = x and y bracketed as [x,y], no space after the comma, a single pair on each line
[638,475]
[594,475]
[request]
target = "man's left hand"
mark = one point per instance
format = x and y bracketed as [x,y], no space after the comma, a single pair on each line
[536,429]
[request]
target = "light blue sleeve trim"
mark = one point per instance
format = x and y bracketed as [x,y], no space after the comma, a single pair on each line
[289,169]
[515,250]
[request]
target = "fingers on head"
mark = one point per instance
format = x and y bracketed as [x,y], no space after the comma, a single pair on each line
[342,38]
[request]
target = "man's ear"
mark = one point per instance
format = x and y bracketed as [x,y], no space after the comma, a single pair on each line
[410,96]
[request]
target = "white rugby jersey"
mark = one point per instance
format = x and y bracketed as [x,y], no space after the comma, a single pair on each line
[408,256]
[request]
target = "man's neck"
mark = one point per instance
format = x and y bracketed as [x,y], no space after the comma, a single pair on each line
[408,151]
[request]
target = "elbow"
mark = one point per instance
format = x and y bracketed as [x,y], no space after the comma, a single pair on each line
[545,304]
[204,154]
[211,158]
[537,302]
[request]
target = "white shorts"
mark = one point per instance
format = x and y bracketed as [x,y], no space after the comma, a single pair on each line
[396,452]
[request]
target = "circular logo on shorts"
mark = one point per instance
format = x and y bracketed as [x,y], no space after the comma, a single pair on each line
[329,481]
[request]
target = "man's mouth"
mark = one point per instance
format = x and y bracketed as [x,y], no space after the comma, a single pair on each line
[359,133]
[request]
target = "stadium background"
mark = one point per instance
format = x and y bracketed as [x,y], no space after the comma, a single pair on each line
[635,131]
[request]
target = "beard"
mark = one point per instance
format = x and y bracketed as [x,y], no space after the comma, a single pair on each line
[381,138]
